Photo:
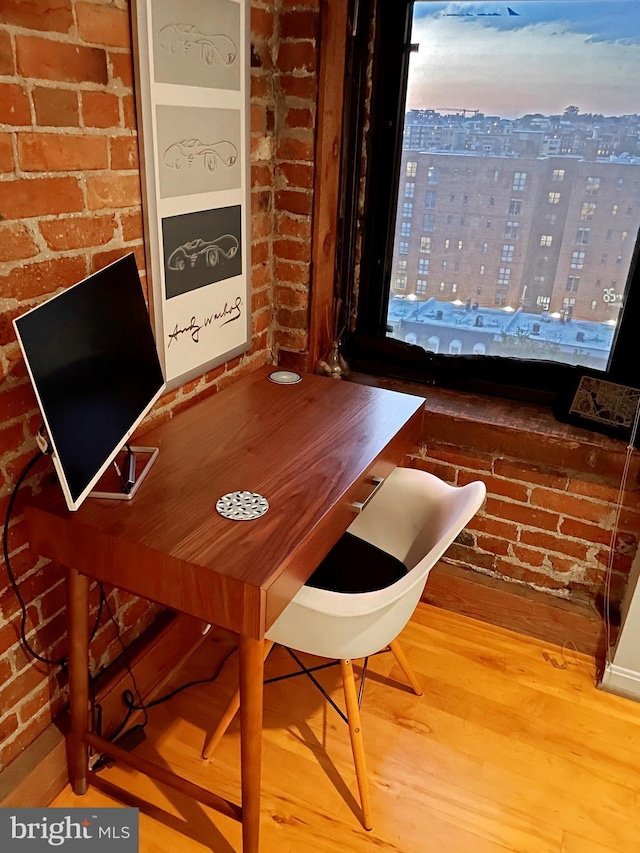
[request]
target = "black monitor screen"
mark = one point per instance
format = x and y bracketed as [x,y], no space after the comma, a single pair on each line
[94,366]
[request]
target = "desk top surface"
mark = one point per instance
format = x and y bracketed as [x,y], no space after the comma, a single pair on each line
[308,448]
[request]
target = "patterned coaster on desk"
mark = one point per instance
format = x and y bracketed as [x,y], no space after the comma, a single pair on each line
[242,506]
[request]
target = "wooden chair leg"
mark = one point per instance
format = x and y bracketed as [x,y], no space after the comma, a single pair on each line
[403,663]
[212,741]
[357,744]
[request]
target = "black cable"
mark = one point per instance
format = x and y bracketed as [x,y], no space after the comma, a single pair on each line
[16,589]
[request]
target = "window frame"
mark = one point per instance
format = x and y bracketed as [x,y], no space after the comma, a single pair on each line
[367,345]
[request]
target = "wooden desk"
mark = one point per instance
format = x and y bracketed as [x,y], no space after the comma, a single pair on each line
[309,448]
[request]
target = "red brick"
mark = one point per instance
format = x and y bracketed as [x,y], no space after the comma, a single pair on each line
[59,152]
[629,520]
[261,23]
[496,485]
[56,107]
[7,66]
[14,105]
[296,147]
[102,259]
[39,197]
[261,175]
[260,322]
[292,250]
[100,109]
[493,544]
[53,60]
[32,280]
[291,340]
[457,456]
[113,191]
[522,514]
[293,226]
[291,297]
[260,87]
[296,174]
[105,25]
[131,226]
[445,472]
[294,202]
[260,252]
[261,200]
[528,555]
[71,232]
[124,152]
[260,277]
[51,15]
[19,686]
[303,88]
[563,565]
[522,573]
[129,117]
[299,25]
[122,68]
[576,507]
[586,532]
[16,243]
[548,542]
[292,319]
[258,121]
[292,272]
[471,556]
[297,56]
[6,152]
[541,476]
[298,117]
[261,225]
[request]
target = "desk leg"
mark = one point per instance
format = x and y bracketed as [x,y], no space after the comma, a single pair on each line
[251,700]
[78,634]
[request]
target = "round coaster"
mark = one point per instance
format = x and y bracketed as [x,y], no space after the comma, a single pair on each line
[285,377]
[242,506]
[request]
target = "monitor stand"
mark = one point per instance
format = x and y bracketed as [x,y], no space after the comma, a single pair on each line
[123,478]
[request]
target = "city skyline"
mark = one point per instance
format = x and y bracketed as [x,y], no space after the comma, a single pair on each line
[536,56]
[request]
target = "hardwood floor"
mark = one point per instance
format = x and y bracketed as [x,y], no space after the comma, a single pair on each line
[511,748]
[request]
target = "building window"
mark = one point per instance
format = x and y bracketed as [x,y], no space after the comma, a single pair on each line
[543,302]
[405,229]
[588,209]
[441,287]
[507,252]
[427,222]
[546,240]
[594,304]
[511,230]
[554,198]
[593,185]
[582,237]
[402,266]
[444,266]
[515,207]
[485,246]
[423,266]
[557,175]
[614,209]
[430,200]
[481,270]
[577,260]
[459,244]
[519,181]
[455,347]
[403,247]
[500,298]
[454,288]
[421,286]
[409,189]
[407,209]
[401,282]
[572,283]
[425,245]
[447,243]
[465,199]
[567,304]
[412,169]
[432,175]
[504,275]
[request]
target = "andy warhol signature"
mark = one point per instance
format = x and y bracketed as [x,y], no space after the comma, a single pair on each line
[228,314]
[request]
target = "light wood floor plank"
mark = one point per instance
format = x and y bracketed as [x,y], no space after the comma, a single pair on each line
[511,748]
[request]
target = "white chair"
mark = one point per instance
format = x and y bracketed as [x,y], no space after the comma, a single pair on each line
[401,533]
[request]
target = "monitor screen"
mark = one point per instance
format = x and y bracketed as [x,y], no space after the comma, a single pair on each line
[93,363]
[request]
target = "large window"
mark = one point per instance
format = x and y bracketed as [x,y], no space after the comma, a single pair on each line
[522,190]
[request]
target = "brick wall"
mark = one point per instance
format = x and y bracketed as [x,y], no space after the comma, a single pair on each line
[70,202]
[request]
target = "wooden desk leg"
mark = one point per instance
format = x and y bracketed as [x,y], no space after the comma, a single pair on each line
[251,695]
[78,634]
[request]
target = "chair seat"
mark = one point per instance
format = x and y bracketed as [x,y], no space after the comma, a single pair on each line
[354,566]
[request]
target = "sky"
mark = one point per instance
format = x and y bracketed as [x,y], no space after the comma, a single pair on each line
[546,57]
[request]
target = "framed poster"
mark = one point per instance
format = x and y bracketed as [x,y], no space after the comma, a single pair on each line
[192,67]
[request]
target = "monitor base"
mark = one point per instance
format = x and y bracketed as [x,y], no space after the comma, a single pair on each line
[132,478]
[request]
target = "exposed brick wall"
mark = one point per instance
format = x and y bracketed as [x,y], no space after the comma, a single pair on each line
[70,202]
[552,497]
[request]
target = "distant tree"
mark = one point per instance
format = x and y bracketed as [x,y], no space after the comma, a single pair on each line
[572,111]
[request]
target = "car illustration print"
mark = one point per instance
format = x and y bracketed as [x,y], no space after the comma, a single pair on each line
[213,252]
[186,152]
[174,37]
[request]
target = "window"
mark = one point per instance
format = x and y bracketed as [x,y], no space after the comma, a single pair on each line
[403,247]
[407,209]
[405,229]
[454,288]
[402,266]
[459,244]
[423,266]
[411,169]
[568,218]
[447,243]
[421,286]
[409,189]
[593,185]
[567,304]
[401,282]
[425,245]
[577,260]
[588,208]
[519,181]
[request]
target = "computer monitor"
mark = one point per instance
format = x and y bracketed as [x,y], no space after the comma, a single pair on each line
[94,367]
